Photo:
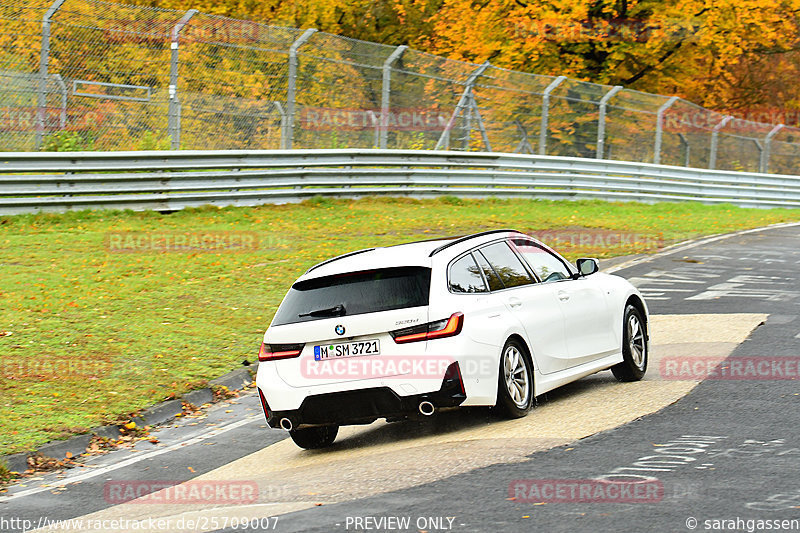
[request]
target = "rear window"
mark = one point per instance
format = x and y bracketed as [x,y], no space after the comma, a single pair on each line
[355,293]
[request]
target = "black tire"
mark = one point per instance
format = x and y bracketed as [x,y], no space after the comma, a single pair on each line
[515,381]
[634,347]
[314,438]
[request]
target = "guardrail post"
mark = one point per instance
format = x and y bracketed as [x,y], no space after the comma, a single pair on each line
[291,86]
[601,119]
[765,153]
[660,127]
[712,158]
[174,111]
[44,63]
[546,113]
[386,91]
[465,97]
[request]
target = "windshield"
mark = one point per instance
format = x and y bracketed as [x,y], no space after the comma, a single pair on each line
[355,293]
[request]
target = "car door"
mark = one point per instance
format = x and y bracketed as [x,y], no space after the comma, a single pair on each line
[534,305]
[588,322]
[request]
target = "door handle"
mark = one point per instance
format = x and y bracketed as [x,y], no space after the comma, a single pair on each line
[514,302]
[563,296]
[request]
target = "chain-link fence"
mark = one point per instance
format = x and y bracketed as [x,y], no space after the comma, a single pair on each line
[93,75]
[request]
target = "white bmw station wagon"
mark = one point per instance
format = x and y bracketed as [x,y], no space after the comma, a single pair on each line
[491,319]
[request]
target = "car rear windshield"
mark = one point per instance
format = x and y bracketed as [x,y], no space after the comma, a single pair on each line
[355,293]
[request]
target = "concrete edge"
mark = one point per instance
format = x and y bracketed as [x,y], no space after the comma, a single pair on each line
[152,416]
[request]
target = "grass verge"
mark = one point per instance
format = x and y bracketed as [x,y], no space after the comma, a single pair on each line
[5,473]
[89,334]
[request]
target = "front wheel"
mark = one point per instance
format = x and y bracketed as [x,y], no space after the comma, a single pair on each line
[634,347]
[515,385]
[315,437]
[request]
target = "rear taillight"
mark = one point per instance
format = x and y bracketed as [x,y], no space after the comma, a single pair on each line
[274,352]
[432,330]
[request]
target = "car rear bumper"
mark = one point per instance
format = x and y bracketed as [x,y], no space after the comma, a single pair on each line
[364,406]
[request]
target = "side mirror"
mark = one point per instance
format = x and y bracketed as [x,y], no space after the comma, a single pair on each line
[587,266]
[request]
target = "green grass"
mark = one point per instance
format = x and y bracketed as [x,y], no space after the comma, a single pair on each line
[5,473]
[88,336]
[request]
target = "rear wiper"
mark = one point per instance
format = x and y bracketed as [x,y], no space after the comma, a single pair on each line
[336,310]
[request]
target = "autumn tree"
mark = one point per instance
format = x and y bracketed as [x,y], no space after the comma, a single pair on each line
[708,52]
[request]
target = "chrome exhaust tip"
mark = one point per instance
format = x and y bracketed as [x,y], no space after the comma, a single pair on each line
[426,408]
[286,424]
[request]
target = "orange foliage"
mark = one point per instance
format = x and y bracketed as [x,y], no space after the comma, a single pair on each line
[726,54]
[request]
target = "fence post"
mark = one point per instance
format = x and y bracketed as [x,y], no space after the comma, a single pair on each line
[760,148]
[386,91]
[660,127]
[687,149]
[44,63]
[290,90]
[464,100]
[282,113]
[712,158]
[174,111]
[524,144]
[62,119]
[546,112]
[767,145]
[601,120]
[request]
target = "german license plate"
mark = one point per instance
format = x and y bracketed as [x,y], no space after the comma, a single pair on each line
[323,352]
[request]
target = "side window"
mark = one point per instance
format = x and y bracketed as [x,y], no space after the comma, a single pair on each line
[546,265]
[465,277]
[507,265]
[491,276]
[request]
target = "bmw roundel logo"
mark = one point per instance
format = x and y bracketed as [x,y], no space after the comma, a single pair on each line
[339,329]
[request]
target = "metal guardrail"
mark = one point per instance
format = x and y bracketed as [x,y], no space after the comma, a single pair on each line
[168,180]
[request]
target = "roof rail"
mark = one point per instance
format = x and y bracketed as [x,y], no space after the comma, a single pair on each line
[468,237]
[339,257]
[434,239]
